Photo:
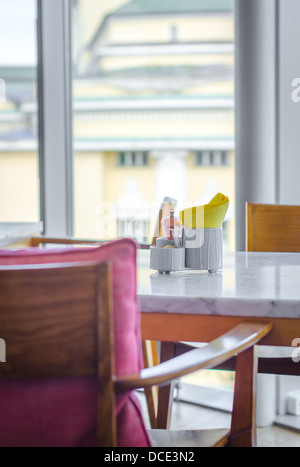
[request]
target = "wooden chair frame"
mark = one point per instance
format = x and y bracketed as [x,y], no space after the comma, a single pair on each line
[43,240]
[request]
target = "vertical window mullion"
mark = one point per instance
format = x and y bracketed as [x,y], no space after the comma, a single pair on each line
[55,116]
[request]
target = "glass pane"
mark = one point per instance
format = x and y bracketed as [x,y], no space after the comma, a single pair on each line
[19,174]
[153,111]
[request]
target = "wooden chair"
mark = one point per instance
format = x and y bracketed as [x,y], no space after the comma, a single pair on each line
[272,227]
[58,324]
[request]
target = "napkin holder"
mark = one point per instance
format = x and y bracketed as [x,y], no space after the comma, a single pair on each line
[203,249]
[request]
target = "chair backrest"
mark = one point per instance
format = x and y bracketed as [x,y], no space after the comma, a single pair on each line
[56,321]
[271,227]
[72,416]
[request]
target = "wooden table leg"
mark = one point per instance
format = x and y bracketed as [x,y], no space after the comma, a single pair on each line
[150,359]
[243,424]
[165,393]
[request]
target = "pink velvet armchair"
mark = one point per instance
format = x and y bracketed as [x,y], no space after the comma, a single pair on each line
[71,325]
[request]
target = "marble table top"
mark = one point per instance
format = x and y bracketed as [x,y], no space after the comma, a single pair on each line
[250,284]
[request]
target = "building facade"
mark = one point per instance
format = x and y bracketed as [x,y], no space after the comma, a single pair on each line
[153,116]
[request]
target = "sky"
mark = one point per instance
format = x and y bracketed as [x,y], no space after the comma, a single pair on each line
[18,32]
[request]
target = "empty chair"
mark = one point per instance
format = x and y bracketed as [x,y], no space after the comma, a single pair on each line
[272,227]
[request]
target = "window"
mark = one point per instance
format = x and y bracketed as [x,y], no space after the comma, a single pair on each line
[133,159]
[19,167]
[212,158]
[153,85]
[174,33]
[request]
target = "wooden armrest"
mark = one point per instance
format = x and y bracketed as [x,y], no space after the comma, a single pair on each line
[37,241]
[238,339]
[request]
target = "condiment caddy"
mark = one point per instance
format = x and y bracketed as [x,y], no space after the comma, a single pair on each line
[193,241]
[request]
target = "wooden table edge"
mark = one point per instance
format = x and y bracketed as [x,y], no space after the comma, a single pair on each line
[170,327]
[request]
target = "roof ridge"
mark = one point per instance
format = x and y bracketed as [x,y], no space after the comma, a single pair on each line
[173,6]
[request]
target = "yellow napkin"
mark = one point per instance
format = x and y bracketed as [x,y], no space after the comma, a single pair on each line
[210,215]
